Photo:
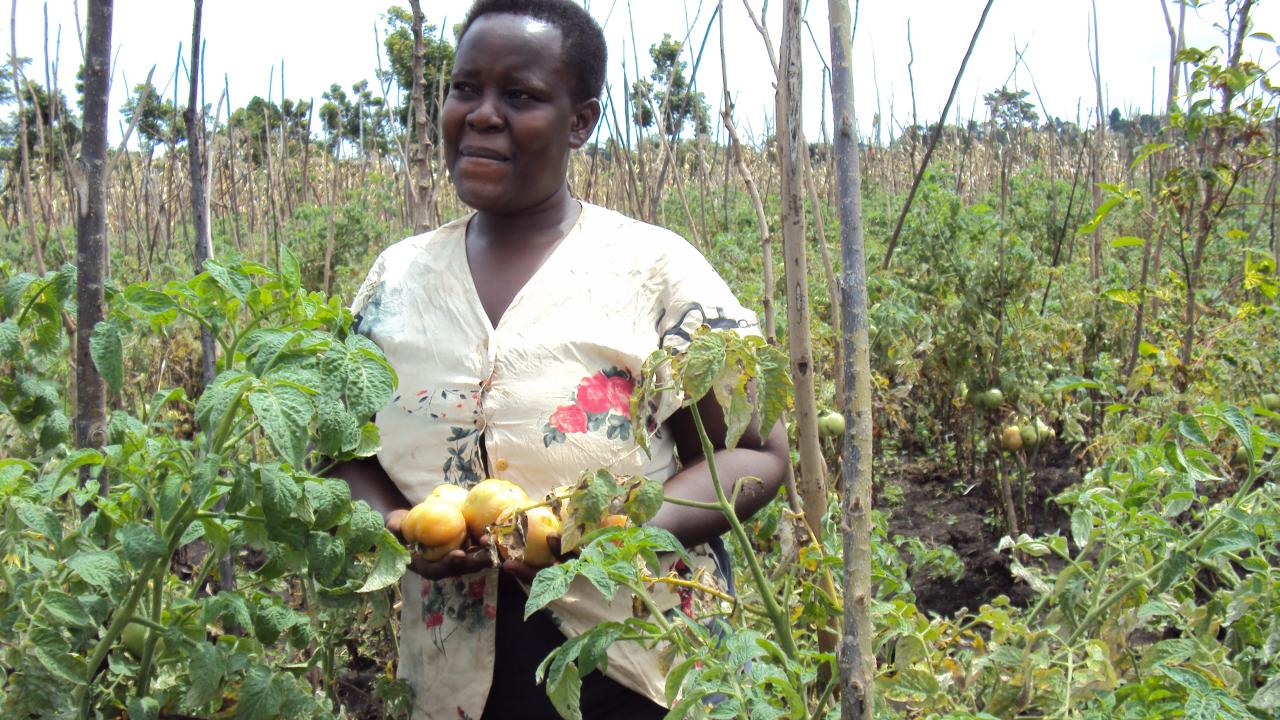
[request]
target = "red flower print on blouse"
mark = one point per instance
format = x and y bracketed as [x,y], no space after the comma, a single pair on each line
[620,394]
[593,394]
[435,619]
[569,419]
[475,589]
[490,612]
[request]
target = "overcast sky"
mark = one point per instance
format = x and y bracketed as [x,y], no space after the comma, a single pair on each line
[252,46]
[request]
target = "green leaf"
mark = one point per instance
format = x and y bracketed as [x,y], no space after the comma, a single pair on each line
[65,609]
[1201,707]
[1239,424]
[363,527]
[54,653]
[328,500]
[10,342]
[218,395]
[1127,241]
[258,698]
[233,281]
[389,561]
[325,556]
[225,605]
[701,364]
[337,431]
[290,271]
[773,385]
[41,519]
[284,413]
[271,619]
[100,568]
[143,708]
[14,288]
[1146,152]
[643,501]
[1229,542]
[1175,566]
[141,544]
[280,493]
[1267,699]
[108,354]
[548,585]
[369,380]
[147,300]
[1081,527]
[1189,679]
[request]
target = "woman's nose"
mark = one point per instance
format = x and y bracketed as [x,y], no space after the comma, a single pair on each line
[486,114]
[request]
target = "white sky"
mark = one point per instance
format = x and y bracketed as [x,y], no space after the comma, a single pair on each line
[254,44]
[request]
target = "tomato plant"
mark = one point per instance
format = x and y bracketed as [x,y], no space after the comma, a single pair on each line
[97,615]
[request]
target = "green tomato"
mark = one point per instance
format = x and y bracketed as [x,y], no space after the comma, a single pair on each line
[1241,457]
[1030,438]
[1271,401]
[134,638]
[992,399]
[830,424]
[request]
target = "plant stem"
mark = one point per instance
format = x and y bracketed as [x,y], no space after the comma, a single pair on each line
[121,618]
[780,621]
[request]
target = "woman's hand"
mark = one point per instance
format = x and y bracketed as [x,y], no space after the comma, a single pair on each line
[462,561]
[525,573]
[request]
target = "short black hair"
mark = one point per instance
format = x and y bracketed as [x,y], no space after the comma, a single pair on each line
[582,40]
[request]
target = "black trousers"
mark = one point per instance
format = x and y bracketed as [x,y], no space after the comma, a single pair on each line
[520,647]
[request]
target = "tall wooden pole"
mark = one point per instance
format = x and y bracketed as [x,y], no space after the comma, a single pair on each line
[855,660]
[91,232]
[194,118]
[813,486]
[420,137]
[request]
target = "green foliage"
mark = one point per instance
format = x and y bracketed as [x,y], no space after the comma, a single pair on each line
[667,92]
[87,584]
[437,63]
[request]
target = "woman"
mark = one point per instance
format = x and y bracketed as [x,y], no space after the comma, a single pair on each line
[516,334]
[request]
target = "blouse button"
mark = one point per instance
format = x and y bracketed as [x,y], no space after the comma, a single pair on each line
[501,465]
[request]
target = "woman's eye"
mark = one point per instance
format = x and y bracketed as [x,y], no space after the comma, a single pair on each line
[460,88]
[519,95]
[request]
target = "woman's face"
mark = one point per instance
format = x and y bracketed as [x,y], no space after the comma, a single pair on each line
[509,121]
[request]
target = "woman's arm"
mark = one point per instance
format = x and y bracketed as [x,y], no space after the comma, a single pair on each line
[764,458]
[370,483]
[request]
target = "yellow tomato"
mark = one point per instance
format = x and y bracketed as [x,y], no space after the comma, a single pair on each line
[489,499]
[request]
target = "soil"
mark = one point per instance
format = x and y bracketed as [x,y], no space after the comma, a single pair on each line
[937,509]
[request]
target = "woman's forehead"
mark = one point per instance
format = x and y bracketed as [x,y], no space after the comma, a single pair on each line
[509,27]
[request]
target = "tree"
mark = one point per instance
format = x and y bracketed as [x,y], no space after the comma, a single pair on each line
[667,91]
[1010,111]
[96,341]
[437,63]
[855,659]
[160,118]
[362,119]
[259,116]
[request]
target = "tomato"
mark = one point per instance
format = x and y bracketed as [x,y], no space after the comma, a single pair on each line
[134,638]
[541,522]
[993,398]
[434,522]
[1011,439]
[487,500]
[1271,401]
[830,424]
[455,494]
[1030,438]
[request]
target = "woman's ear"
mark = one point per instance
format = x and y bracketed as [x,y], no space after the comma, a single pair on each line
[585,117]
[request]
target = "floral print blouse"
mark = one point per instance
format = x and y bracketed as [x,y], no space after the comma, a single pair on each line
[549,391]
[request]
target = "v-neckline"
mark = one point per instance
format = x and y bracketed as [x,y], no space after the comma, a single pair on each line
[542,269]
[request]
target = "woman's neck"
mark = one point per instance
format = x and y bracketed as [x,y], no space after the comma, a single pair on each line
[547,221]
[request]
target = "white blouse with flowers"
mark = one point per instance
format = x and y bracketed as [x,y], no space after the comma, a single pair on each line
[548,389]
